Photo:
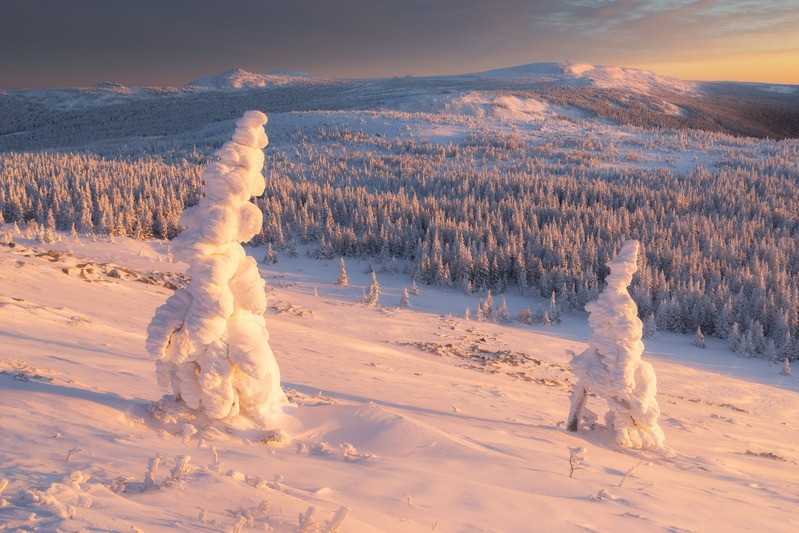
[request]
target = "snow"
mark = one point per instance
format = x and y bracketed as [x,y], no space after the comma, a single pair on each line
[406,419]
[611,366]
[413,419]
[237,78]
[210,338]
[603,77]
[782,89]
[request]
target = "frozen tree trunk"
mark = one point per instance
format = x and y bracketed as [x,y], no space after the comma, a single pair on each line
[579,397]
[210,338]
[612,368]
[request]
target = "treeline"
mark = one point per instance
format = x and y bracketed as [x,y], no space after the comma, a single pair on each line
[720,243]
[141,198]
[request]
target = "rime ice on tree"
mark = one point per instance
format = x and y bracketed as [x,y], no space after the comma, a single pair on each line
[612,368]
[210,338]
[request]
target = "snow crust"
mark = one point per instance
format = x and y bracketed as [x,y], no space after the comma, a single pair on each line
[210,338]
[612,367]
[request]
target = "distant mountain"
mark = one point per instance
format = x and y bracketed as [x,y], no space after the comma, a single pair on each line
[527,94]
[583,75]
[111,85]
[237,78]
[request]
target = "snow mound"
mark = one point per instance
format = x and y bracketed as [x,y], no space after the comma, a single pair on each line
[505,107]
[373,429]
[579,74]
[237,78]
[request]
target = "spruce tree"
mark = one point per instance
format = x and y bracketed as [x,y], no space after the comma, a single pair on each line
[343,279]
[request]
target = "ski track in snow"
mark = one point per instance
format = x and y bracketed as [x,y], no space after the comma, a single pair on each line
[413,419]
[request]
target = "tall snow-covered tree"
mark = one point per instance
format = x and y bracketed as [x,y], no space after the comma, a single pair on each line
[210,338]
[343,279]
[612,367]
[372,295]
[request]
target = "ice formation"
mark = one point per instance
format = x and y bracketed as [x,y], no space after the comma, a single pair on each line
[210,338]
[612,368]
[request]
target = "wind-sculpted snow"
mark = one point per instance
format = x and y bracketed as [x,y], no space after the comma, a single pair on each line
[612,368]
[210,338]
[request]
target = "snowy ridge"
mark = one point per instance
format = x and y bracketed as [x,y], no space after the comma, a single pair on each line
[603,77]
[237,78]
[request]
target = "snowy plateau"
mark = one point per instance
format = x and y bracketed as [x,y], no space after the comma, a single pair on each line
[419,408]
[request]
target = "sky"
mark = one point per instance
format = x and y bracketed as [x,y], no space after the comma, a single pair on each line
[60,43]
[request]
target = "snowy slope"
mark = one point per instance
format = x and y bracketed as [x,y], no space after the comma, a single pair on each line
[584,75]
[414,420]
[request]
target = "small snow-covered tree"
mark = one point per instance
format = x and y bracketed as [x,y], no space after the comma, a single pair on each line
[554,309]
[699,339]
[372,296]
[735,339]
[786,369]
[271,255]
[612,368]
[487,308]
[770,353]
[503,316]
[414,288]
[405,302]
[210,338]
[343,279]
[650,327]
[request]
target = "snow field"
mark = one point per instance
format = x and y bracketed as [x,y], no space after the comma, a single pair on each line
[412,419]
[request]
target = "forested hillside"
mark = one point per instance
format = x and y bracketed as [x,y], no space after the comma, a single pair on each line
[474,184]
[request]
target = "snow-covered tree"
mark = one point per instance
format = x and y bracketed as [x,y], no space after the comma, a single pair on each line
[414,288]
[612,367]
[486,310]
[786,369]
[770,353]
[343,279]
[372,295]
[554,309]
[736,343]
[271,255]
[699,339]
[503,316]
[650,327]
[405,302]
[210,338]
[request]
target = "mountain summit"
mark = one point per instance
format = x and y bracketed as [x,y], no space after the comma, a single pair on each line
[238,78]
[581,74]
